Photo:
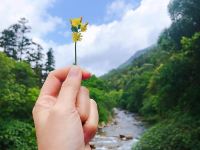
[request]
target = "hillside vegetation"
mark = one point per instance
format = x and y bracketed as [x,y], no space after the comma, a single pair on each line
[163,84]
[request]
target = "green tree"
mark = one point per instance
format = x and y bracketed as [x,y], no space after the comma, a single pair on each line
[23,42]
[50,62]
[17,44]
[185,19]
[8,43]
[18,93]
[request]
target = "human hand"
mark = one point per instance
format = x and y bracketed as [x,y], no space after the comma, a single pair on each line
[65,117]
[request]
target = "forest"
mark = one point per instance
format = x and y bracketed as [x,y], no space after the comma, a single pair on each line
[161,84]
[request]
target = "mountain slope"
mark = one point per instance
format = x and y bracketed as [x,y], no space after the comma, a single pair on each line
[133,57]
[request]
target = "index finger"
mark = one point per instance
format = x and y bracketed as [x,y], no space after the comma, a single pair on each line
[55,79]
[70,88]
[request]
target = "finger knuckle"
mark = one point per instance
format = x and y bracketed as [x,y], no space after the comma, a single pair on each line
[63,111]
[69,86]
[57,111]
[45,102]
[84,117]
[51,73]
[92,128]
[83,88]
[93,102]
[33,111]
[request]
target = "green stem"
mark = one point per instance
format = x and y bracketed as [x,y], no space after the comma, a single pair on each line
[75,55]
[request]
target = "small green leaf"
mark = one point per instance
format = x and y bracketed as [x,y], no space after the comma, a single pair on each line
[74,29]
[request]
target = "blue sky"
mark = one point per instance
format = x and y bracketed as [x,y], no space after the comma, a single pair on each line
[117,28]
[95,12]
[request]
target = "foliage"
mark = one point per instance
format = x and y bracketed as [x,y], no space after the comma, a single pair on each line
[17,135]
[105,100]
[17,44]
[163,83]
[18,92]
[164,88]
[180,133]
[50,63]
[185,19]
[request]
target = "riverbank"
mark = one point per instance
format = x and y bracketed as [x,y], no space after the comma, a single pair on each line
[121,134]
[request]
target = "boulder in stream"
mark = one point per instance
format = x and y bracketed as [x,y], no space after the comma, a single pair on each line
[125,137]
[92,146]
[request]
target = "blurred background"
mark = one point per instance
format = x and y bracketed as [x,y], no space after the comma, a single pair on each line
[144,55]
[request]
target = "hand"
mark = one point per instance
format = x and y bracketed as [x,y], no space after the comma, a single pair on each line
[65,117]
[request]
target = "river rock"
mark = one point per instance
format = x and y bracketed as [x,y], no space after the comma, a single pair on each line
[121,136]
[92,146]
[101,125]
[129,137]
[125,137]
[115,122]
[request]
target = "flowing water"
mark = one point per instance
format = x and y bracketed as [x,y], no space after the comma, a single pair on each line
[126,124]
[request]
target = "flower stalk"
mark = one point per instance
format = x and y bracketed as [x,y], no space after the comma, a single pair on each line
[77,28]
[75,63]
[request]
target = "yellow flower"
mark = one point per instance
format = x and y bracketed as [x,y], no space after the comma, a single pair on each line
[76,22]
[76,36]
[84,27]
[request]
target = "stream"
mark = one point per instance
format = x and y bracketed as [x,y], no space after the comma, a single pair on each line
[121,134]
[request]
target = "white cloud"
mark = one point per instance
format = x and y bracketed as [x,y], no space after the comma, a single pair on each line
[108,45]
[34,10]
[117,9]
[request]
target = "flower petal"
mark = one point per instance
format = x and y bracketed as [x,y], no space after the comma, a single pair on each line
[76,22]
[84,27]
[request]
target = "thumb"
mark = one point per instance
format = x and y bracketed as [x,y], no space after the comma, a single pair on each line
[70,88]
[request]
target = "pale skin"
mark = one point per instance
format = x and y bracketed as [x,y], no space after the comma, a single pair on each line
[64,115]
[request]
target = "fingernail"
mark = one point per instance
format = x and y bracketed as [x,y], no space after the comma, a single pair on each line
[74,71]
[86,76]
